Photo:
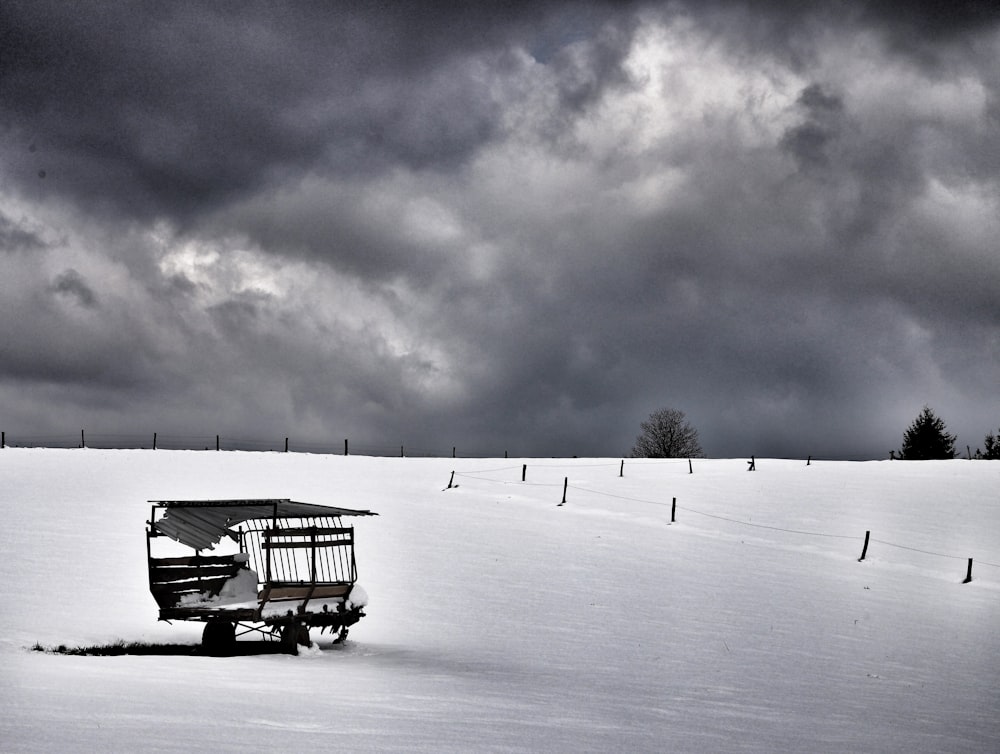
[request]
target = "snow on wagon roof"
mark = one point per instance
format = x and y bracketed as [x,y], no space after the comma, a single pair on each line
[200,524]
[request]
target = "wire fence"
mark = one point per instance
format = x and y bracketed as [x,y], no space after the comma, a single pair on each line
[156,441]
[220,442]
[566,486]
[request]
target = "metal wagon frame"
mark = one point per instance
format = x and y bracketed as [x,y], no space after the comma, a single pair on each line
[294,569]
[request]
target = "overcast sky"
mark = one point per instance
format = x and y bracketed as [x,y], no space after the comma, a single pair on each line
[512,226]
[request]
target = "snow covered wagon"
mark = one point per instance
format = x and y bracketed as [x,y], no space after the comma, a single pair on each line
[277,568]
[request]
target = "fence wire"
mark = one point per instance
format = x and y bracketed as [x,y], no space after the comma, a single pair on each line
[688,509]
[221,442]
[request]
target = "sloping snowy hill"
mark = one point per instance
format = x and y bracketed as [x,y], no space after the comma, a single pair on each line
[501,621]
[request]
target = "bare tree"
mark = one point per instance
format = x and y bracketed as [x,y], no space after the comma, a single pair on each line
[666,434]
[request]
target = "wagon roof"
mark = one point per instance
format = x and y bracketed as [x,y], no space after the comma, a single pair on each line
[202,523]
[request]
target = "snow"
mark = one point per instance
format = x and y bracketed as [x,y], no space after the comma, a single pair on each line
[241,588]
[500,621]
[358,598]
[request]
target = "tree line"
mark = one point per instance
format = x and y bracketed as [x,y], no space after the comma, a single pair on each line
[668,434]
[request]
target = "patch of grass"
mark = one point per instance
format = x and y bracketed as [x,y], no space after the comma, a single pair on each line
[121,647]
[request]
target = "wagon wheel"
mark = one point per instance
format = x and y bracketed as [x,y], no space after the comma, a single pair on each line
[219,638]
[294,635]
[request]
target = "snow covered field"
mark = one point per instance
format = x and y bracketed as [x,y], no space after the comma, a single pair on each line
[500,621]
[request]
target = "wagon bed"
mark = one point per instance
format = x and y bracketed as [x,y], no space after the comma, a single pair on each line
[291,568]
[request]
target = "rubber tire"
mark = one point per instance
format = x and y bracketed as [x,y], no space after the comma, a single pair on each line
[219,638]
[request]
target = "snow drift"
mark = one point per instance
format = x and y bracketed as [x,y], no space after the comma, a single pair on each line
[500,621]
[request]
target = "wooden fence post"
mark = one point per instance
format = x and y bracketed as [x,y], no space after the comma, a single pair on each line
[621,471]
[968,575]
[286,444]
[3,439]
[154,441]
[451,481]
[864,550]
[690,467]
[673,511]
[453,451]
[345,446]
[217,442]
[565,485]
[83,440]
[524,471]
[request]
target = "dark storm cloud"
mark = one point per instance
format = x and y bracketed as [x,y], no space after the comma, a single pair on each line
[171,109]
[924,30]
[922,22]
[511,226]
[14,238]
[71,284]
[808,140]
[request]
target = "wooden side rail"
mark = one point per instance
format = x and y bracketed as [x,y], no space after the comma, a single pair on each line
[304,591]
[195,559]
[168,574]
[172,578]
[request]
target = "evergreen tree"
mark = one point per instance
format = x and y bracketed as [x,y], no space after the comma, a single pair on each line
[992,447]
[927,438]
